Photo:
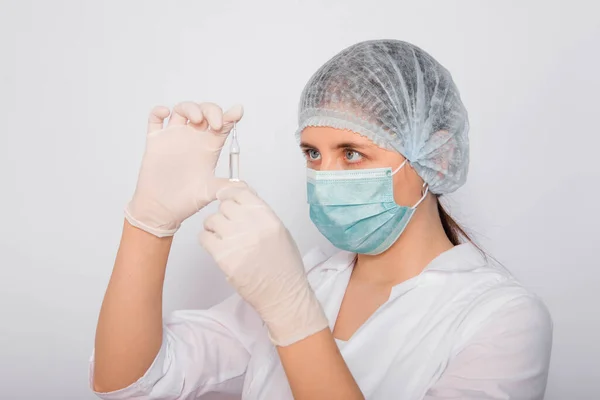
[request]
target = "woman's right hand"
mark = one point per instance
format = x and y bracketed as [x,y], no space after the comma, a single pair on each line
[177,178]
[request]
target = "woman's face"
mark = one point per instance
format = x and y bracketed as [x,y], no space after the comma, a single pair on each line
[330,149]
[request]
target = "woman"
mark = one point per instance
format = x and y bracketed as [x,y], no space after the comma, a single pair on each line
[403,311]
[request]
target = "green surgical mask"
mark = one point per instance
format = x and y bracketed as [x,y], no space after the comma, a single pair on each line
[355,209]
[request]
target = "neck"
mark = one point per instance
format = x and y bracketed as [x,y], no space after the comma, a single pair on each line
[423,240]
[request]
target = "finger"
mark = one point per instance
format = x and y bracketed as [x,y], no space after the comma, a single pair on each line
[229,209]
[157,117]
[231,116]
[215,186]
[239,194]
[234,114]
[185,111]
[219,225]
[233,212]
[213,114]
[211,243]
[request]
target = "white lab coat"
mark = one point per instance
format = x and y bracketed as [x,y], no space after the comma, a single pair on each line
[462,329]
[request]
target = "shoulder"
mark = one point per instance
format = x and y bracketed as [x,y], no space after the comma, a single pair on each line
[491,299]
[482,284]
[523,309]
[508,299]
[504,352]
[509,312]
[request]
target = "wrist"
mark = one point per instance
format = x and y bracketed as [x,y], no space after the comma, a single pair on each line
[300,318]
[147,222]
[143,239]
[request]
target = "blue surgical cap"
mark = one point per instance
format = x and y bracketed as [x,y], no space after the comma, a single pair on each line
[399,97]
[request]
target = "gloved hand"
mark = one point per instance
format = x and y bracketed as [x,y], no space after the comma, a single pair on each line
[176,178]
[261,260]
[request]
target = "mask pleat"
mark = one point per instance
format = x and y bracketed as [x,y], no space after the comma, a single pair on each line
[357,214]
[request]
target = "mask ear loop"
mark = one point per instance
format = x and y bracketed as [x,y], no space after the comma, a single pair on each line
[426,186]
[400,167]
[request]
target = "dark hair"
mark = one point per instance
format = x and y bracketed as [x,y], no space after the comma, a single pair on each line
[454,231]
[458,235]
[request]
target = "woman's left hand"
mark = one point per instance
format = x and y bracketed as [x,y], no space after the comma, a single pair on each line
[261,260]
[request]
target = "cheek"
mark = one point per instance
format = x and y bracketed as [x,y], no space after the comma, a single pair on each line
[401,191]
[406,191]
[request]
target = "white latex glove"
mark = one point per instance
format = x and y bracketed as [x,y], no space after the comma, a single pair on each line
[177,178]
[261,260]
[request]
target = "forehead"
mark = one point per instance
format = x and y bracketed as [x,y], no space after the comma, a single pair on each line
[325,136]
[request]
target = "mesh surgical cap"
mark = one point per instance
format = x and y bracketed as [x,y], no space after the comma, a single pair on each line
[400,98]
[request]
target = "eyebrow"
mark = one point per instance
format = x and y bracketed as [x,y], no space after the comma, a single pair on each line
[344,145]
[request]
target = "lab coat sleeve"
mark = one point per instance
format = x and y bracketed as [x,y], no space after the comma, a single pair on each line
[202,351]
[507,358]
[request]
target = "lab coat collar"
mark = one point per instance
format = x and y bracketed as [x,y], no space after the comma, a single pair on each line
[461,258]
[339,261]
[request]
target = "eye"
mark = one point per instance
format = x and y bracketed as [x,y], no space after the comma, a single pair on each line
[312,154]
[353,156]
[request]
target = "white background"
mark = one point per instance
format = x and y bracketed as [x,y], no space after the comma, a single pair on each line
[78,79]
